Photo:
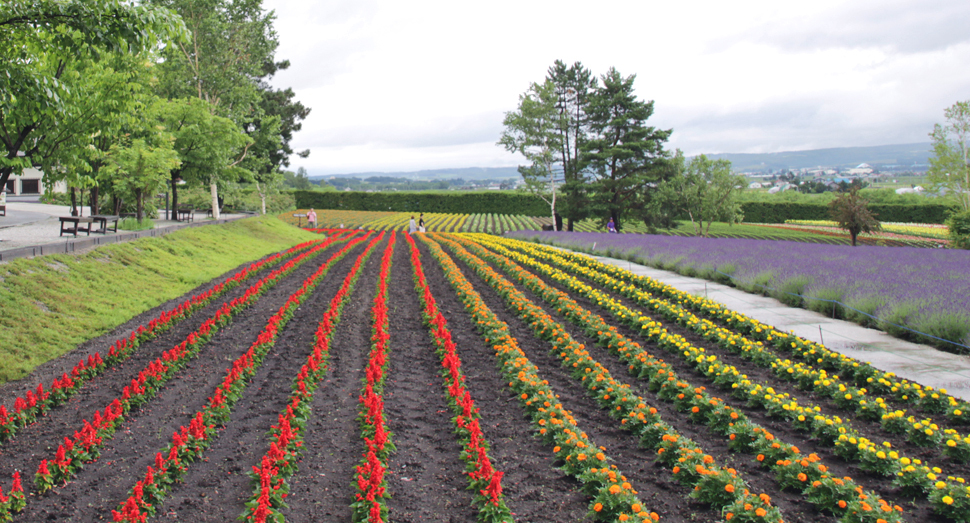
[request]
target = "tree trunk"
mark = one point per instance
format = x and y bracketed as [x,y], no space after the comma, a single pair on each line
[175,194]
[95,204]
[140,197]
[4,176]
[215,200]
[853,235]
[262,196]
[74,209]
[569,225]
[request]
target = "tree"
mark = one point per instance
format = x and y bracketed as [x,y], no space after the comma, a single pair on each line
[206,145]
[142,168]
[231,43]
[42,41]
[573,88]
[950,165]
[278,117]
[532,131]
[703,189]
[623,152]
[852,213]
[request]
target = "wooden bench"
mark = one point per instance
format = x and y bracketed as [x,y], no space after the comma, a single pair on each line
[103,219]
[184,214]
[75,224]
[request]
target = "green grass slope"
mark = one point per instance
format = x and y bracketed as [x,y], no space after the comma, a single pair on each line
[50,304]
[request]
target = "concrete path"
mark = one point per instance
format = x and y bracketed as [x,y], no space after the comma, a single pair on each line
[32,228]
[920,363]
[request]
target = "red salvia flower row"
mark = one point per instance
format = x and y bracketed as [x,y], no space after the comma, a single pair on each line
[171,463]
[286,445]
[370,501]
[35,403]
[85,444]
[482,476]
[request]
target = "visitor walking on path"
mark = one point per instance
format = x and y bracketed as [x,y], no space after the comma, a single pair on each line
[311,218]
[412,227]
[611,227]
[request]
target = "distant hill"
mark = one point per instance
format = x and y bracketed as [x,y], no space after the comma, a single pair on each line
[910,156]
[467,173]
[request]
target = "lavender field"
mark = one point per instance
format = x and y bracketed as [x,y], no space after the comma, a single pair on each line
[927,290]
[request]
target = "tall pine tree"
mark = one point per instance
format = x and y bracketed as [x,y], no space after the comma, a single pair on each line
[623,153]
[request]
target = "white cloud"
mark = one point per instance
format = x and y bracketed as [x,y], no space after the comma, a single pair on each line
[409,85]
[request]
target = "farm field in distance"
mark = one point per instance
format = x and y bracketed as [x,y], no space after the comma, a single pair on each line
[366,373]
[894,235]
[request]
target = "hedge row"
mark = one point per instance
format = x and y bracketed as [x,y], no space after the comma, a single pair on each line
[462,203]
[778,212]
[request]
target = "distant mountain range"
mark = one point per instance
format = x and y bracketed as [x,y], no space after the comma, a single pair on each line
[901,157]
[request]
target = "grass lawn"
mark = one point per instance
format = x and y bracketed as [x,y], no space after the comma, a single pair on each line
[52,303]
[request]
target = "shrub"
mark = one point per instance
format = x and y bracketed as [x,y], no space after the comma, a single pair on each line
[959,224]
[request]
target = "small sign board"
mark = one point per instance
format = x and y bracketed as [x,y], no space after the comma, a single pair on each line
[299,219]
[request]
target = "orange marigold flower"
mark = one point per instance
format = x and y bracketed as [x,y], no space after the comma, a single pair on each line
[728,516]
[842,503]
[760,512]
[623,517]
[597,507]
[802,477]
[729,488]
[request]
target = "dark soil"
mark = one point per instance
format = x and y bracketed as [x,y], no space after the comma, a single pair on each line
[426,477]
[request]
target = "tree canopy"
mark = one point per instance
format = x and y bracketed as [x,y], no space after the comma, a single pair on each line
[950,164]
[702,189]
[46,42]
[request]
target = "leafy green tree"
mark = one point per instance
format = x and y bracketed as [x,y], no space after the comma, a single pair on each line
[851,212]
[43,41]
[532,131]
[623,152]
[574,86]
[142,168]
[231,46]
[704,190]
[277,118]
[950,164]
[206,145]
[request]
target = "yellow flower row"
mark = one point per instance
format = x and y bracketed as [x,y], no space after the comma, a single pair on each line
[958,446]
[803,417]
[763,396]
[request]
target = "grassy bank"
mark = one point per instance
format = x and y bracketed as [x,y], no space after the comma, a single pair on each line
[51,304]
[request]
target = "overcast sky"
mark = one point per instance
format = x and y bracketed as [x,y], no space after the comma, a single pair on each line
[400,86]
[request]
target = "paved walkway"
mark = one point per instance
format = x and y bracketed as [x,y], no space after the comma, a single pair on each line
[31,229]
[920,363]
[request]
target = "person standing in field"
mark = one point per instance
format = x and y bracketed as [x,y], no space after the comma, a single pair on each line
[412,227]
[311,218]
[421,222]
[611,227]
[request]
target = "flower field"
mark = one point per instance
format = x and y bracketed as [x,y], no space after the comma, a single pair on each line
[434,222]
[927,290]
[375,376]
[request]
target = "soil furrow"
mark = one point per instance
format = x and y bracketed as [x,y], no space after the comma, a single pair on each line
[321,490]
[425,474]
[534,488]
[216,489]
